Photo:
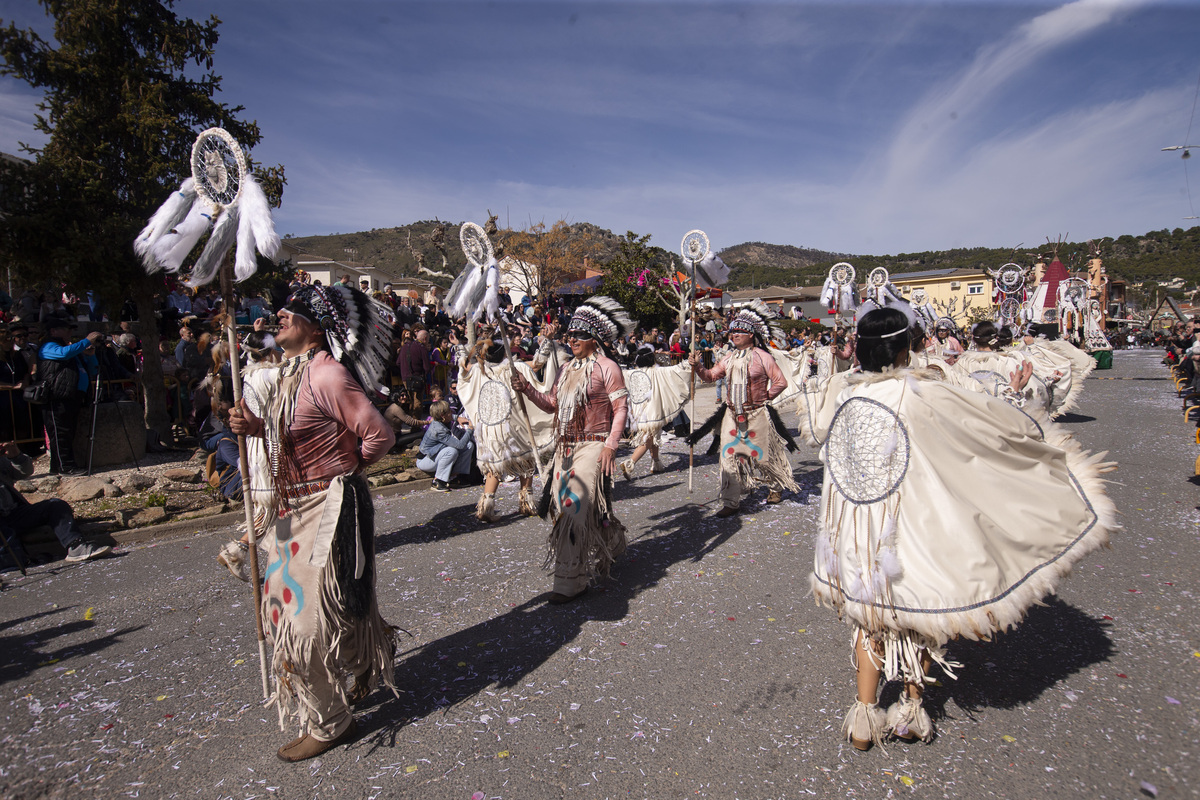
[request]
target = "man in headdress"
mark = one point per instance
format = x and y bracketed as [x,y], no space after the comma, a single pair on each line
[753,438]
[321,431]
[589,402]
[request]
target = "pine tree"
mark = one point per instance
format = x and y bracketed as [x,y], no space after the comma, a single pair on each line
[128,84]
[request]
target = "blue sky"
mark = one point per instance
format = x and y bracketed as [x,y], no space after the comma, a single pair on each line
[856,127]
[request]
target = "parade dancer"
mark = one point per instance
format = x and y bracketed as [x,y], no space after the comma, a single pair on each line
[656,396]
[321,432]
[589,403]
[504,448]
[944,513]
[754,441]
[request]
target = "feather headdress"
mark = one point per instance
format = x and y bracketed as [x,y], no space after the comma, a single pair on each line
[603,318]
[760,320]
[358,329]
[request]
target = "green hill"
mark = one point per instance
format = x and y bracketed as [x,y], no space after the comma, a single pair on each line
[1156,256]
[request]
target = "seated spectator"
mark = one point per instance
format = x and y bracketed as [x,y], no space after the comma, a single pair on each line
[18,515]
[442,452]
[223,454]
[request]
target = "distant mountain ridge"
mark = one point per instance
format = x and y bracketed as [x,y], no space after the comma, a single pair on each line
[1156,256]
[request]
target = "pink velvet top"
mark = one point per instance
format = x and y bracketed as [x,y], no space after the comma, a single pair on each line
[603,413]
[763,371]
[332,414]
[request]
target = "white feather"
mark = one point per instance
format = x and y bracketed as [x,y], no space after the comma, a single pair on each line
[827,293]
[889,562]
[466,292]
[223,235]
[892,443]
[169,214]
[491,293]
[245,264]
[172,248]
[254,206]
[711,271]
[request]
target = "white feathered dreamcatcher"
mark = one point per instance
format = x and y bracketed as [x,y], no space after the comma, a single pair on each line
[222,195]
[840,293]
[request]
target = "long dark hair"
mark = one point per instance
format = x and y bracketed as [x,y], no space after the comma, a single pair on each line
[882,337]
[985,335]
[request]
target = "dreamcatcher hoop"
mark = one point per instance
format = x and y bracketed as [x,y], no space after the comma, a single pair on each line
[919,297]
[992,381]
[1010,308]
[218,167]
[694,246]
[1010,278]
[878,277]
[639,385]
[495,403]
[842,273]
[867,451]
[1072,290]
[476,245]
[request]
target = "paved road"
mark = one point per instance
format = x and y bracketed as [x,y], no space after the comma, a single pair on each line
[702,669]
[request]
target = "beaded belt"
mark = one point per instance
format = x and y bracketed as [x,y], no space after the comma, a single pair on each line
[585,437]
[303,489]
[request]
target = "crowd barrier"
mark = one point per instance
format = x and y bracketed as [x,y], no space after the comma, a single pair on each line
[23,421]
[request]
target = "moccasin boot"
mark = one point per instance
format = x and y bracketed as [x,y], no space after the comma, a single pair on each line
[308,746]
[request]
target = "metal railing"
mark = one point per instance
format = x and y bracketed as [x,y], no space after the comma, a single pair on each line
[23,421]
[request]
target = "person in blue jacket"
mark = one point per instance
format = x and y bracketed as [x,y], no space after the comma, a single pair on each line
[443,453]
[67,367]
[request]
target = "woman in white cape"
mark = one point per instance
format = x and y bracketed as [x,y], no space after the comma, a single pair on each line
[945,513]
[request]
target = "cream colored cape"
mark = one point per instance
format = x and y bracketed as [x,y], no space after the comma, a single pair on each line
[1082,365]
[993,370]
[794,364]
[502,443]
[816,402]
[948,512]
[656,396]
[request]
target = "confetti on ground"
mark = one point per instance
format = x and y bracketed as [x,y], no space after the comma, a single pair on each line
[90,614]
[1008,738]
[907,781]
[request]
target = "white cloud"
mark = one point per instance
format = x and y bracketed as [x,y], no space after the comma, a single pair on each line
[942,119]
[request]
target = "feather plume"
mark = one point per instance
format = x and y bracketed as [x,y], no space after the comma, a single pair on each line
[245,264]
[711,271]
[224,233]
[173,247]
[256,210]
[466,293]
[889,562]
[169,214]
[491,293]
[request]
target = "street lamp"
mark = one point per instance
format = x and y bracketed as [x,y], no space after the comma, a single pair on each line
[1184,147]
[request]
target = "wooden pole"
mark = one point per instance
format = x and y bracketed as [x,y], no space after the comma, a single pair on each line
[692,348]
[235,369]
[512,364]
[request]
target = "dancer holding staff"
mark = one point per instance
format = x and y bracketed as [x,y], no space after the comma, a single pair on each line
[754,441]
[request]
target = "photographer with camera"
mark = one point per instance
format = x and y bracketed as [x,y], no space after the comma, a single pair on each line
[66,368]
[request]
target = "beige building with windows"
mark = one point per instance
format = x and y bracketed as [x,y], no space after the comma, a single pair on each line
[970,289]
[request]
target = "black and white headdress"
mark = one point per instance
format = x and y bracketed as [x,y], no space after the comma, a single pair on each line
[357,328]
[603,318]
[756,318]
